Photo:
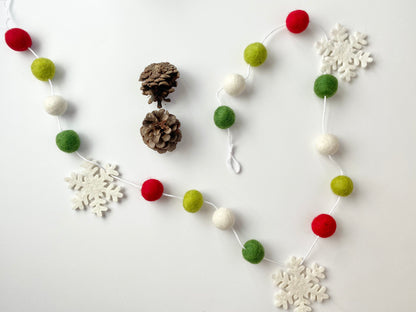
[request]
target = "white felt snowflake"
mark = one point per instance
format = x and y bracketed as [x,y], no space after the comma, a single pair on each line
[343,52]
[94,188]
[299,285]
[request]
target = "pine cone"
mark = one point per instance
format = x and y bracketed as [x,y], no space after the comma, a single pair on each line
[158,81]
[160,131]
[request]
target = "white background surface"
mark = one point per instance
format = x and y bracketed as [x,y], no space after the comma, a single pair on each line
[156,257]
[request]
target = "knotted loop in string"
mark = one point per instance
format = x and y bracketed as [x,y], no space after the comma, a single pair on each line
[232,162]
[6,18]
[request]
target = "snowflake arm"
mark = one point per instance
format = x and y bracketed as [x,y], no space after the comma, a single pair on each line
[283,300]
[318,293]
[75,181]
[79,202]
[113,192]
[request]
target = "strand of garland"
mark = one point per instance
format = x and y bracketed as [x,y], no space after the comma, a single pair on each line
[68,141]
[327,144]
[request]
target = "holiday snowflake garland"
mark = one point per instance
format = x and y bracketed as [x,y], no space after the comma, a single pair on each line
[299,285]
[94,188]
[343,52]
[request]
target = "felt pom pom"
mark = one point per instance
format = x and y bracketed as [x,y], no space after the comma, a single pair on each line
[224,117]
[193,201]
[255,54]
[253,251]
[342,185]
[43,69]
[68,141]
[325,85]
[327,144]
[152,190]
[18,39]
[55,105]
[223,218]
[324,225]
[297,21]
[234,84]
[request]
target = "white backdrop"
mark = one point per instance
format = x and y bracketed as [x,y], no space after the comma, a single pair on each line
[156,257]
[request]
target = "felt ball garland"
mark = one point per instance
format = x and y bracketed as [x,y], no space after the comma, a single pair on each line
[255,54]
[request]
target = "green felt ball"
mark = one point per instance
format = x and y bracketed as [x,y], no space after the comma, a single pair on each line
[325,85]
[43,68]
[193,201]
[253,251]
[255,54]
[68,141]
[342,185]
[224,117]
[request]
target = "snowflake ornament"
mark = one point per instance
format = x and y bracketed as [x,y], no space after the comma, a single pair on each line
[343,52]
[299,285]
[94,188]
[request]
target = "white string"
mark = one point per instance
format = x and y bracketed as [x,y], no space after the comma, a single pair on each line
[324,122]
[232,161]
[238,238]
[51,86]
[135,185]
[33,52]
[218,95]
[59,123]
[324,131]
[211,204]
[274,261]
[248,73]
[310,248]
[335,205]
[341,171]
[172,196]
[273,31]
[321,28]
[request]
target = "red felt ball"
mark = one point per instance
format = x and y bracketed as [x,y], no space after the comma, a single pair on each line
[324,225]
[297,21]
[18,39]
[152,189]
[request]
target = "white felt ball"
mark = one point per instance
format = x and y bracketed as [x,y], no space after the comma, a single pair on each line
[223,218]
[234,84]
[55,105]
[327,144]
